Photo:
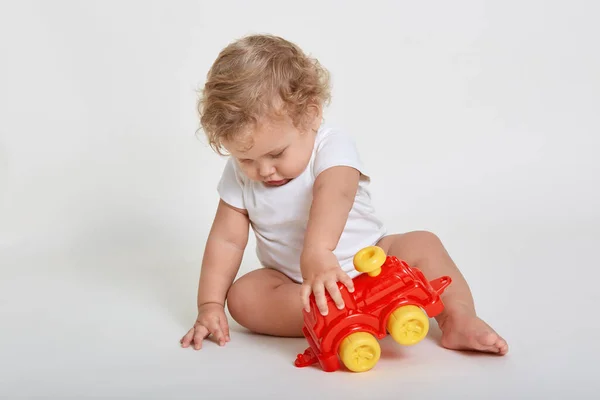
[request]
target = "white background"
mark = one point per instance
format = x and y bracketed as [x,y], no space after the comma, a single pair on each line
[479,121]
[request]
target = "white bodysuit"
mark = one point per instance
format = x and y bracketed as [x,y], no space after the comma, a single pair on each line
[279,215]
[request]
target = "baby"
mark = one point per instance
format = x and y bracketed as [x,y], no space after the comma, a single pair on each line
[301,186]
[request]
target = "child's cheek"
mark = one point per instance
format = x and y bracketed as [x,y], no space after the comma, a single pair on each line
[296,168]
[250,172]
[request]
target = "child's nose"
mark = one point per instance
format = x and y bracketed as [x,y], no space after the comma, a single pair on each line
[265,170]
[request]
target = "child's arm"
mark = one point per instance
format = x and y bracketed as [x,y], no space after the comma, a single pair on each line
[222,258]
[333,195]
[223,254]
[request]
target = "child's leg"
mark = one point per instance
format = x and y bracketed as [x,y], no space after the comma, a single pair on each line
[461,328]
[266,301]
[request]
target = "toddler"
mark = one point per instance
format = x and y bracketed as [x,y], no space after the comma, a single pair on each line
[302,188]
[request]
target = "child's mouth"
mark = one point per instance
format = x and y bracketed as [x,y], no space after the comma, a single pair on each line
[277,183]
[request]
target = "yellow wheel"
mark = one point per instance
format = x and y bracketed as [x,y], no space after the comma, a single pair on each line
[408,325]
[370,259]
[359,351]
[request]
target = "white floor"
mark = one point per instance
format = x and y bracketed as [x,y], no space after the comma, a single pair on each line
[478,120]
[80,324]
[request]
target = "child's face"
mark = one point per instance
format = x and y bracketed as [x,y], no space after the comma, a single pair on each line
[280,152]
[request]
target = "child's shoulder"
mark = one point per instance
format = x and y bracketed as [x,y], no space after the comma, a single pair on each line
[335,146]
[326,130]
[334,136]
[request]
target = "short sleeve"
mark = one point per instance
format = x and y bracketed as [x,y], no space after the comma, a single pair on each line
[231,185]
[337,149]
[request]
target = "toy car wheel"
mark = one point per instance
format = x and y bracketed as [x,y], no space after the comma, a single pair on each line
[408,325]
[369,260]
[359,351]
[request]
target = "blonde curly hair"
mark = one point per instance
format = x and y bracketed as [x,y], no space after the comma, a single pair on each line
[256,78]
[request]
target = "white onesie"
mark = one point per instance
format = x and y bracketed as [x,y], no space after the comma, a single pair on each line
[279,215]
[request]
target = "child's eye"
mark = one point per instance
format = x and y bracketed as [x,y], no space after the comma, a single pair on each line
[278,154]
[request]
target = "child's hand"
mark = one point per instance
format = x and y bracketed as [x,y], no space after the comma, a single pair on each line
[211,320]
[321,270]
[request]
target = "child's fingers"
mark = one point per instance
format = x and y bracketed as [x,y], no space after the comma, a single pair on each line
[187,339]
[346,280]
[225,327]
[199,335]
[216,330]
[334,292]
[305,291]
[319,290]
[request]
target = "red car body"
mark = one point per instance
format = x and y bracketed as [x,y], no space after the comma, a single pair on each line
[367,309]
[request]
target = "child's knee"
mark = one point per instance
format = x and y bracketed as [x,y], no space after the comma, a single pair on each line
[426,238]
[237,300]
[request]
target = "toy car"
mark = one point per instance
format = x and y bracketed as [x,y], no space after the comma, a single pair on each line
[389,296]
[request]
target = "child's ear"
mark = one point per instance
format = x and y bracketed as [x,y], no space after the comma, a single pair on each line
[314,117]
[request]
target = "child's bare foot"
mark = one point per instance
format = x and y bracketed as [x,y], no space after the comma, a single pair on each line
[465,331]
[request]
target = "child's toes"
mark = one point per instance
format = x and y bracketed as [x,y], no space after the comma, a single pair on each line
[487,339]
[486,342]
[502,347]
[498,345]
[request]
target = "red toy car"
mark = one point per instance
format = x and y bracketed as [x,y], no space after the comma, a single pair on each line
[390,296]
